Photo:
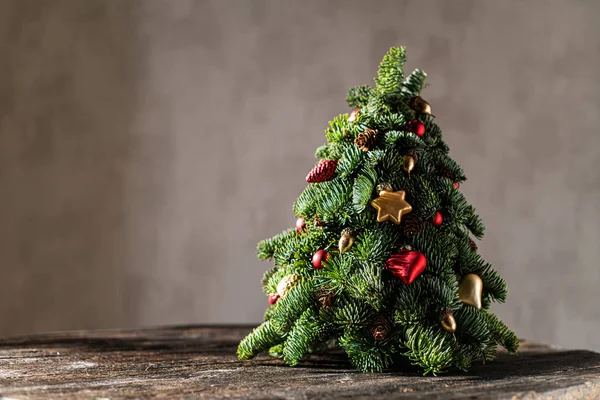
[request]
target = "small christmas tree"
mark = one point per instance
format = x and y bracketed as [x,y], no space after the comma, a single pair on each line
[381,262]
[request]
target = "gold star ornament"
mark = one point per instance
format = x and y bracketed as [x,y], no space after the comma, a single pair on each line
[391,206]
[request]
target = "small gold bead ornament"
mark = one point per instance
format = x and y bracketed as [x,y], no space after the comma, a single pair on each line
[447,321]
[346,240]
[408,163]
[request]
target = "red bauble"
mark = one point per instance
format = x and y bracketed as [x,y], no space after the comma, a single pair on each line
[437,220]
[273,298]
[322,172]
[318,258]
[406,265]
[353,115]
[456,185]
[300,224]
[415,126]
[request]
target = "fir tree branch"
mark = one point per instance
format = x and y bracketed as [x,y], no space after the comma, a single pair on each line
[358,96]
[414,83]
[390,75]
[259,340]
[429,348]
[301,338]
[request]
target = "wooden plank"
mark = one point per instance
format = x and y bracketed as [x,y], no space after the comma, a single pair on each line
[183,362]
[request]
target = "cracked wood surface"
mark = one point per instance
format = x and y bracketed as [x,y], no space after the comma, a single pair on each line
[184,362]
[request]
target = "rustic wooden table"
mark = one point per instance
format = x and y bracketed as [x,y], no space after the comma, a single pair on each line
[184,362]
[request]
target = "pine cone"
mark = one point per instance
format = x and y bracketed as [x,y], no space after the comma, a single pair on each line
[413,225]
[366,140]
[380,327]
[326,297]
[317,222]
[322,172]
[445,171]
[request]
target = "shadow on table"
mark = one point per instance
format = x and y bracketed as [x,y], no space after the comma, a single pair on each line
[504,366]
[534,360]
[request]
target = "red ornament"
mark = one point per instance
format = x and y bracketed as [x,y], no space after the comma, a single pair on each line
[437,220]
[406,265]
[473,245]
[318,258]
[415,126]
[353,115]
[456,185]
[300,224]
[273,298]
[322,172]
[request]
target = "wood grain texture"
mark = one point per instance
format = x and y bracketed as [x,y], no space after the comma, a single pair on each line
[183,362]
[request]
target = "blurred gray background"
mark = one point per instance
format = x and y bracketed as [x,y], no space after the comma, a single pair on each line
[146,146]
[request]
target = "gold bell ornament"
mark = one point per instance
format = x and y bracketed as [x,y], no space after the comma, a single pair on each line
[470,290]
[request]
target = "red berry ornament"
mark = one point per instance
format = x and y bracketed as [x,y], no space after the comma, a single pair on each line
[273,298]
[300,224]
[406,265]
[456,185]
[473,245]
[437,220]
[322,172]
[318,258]
[415,126]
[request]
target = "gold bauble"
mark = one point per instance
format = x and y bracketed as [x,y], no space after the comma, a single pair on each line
[470,290]
[286,283]
[448,322]
[408,163]
[420,105]
[346,240]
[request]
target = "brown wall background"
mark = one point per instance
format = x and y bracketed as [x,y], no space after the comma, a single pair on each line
[147,145]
